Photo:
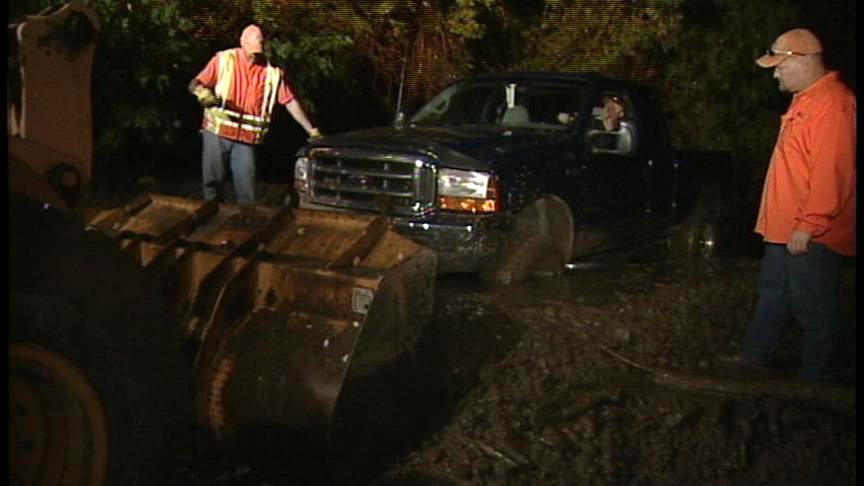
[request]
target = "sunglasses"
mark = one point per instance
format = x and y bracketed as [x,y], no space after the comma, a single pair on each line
[773,52]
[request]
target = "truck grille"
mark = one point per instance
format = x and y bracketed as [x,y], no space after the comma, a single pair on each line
[397,184]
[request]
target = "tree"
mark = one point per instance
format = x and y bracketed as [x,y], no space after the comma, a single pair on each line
[717,96]
[616,38]
[419,45]
[143,62]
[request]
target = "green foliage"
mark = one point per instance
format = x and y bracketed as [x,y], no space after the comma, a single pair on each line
[462,19]
[423,40]
[717,96]
[611,37]
[310,60]
[143,63]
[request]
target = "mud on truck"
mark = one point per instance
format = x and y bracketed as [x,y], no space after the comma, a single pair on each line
[274,333]
[511,174]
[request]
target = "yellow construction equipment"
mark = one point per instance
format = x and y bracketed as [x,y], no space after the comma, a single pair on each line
[134,326]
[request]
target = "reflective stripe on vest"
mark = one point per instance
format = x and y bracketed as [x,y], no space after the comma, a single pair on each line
[232,124]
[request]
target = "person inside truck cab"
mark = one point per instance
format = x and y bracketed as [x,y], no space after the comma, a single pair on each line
[607,115]
[612,113]
[608,131]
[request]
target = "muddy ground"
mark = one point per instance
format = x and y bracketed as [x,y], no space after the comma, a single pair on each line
[550,384]
[604,376]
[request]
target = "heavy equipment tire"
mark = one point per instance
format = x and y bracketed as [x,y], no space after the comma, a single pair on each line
[540,243]
[699,235]
[99,392]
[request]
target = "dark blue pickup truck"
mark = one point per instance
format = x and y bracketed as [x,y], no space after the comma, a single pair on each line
[510,174]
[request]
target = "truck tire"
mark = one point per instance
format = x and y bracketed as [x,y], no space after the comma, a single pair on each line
[99,392]
[540,243]
[698,237]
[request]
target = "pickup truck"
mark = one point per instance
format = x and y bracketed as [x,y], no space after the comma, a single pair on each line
[511,175]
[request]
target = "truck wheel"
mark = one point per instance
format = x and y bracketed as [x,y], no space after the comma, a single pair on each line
[540,243]
[99,392]
[699,235]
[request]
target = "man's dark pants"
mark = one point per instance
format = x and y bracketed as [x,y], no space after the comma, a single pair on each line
[804,287]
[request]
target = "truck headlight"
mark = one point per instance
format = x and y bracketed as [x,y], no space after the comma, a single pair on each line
[301,174]
[468,191]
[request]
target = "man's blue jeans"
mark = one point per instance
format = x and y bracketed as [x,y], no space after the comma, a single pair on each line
[216,154]
[805,288]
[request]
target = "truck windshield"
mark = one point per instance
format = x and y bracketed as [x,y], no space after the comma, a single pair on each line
[540,105]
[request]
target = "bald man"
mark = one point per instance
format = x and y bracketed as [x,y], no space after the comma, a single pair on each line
[238,90]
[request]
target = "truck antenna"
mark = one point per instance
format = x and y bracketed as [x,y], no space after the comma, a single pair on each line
[399,115]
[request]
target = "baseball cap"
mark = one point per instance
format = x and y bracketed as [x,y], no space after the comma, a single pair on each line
[796,42]
[252,39]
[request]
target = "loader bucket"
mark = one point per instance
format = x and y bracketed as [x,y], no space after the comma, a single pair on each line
[290,315]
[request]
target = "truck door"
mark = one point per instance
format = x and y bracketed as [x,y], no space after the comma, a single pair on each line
[661,159]
[613,177]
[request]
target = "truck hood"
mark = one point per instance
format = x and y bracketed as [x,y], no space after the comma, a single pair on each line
[465,147]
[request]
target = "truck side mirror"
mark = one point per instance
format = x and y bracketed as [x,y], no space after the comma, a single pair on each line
[619,142]
[601,141]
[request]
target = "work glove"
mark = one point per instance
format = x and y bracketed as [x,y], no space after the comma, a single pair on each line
[314,134]
[206,97]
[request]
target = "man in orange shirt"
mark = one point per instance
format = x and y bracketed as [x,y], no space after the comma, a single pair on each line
[807,213]
[238,89]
